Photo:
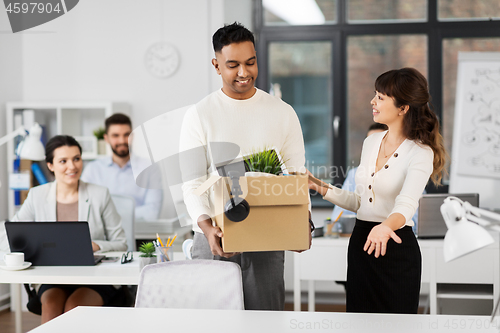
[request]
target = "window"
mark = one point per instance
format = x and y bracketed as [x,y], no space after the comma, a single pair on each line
[362,11]
[300,72]
[366,38]
[453,10]
[299,12]
[367,58]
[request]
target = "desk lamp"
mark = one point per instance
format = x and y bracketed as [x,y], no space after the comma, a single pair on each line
[466,230]
[31,148]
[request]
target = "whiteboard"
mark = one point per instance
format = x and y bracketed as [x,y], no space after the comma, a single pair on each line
[475,165]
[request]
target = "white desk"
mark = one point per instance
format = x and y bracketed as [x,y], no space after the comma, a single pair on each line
[104,273]
[105,320]
[327,261]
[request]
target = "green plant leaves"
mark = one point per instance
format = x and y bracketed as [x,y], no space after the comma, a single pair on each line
[265,161]
[147,249]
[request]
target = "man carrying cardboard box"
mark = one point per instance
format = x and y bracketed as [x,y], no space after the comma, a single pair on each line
[242,116]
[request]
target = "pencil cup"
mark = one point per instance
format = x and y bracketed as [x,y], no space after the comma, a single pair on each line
[327,227]
[164,254]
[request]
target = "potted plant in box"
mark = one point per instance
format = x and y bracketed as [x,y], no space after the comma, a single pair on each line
[264,162]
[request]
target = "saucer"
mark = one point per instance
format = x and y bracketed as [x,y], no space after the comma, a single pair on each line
[25,265]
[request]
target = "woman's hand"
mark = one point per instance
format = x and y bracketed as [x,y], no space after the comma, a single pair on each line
[377,240]
[314,186]
[95,247]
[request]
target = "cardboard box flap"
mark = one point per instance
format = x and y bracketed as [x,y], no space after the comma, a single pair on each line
[266,191]
[276,191]
[206,185]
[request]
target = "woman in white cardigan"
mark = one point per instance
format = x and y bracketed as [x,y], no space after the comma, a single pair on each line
[70,199]
[384,260]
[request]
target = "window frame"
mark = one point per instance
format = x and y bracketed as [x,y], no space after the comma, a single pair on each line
[339,32]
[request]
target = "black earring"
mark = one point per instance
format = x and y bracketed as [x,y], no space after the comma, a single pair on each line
[236,209]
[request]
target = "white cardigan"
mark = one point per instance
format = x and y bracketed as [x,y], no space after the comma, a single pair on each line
[94,206]
[396,188]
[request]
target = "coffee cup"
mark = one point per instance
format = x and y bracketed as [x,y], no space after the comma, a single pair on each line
[14,259]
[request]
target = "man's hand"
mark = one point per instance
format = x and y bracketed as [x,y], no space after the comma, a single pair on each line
[213,235]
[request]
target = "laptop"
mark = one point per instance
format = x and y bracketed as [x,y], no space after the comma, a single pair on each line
[430,221]
[52,243]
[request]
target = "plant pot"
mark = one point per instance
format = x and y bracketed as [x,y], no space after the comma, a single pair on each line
[143,261]
[101,147]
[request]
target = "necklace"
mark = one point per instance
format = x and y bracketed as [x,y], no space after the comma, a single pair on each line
[387,155]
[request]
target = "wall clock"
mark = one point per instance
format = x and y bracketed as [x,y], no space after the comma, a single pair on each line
[162,59]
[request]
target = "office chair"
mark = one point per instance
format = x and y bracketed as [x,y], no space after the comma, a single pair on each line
[191,284]
[125,206]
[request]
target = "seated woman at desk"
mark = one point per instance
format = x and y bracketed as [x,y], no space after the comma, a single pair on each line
[384,260]
[70,199]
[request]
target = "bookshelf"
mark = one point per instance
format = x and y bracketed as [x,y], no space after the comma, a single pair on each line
[78,119]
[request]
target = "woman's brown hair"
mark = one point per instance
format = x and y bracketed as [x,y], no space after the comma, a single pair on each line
[407,86]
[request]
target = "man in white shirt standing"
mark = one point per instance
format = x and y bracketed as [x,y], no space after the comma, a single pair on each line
[238,115]
[115,172]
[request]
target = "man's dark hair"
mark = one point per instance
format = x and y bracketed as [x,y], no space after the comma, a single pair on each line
[232,33]
[117,119]
[378,126]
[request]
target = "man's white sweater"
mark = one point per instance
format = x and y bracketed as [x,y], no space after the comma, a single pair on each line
[262,121]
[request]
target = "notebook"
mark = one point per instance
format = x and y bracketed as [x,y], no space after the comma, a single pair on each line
[430,221]
[52,243]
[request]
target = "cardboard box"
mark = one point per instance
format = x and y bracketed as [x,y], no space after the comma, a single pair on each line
[278,218]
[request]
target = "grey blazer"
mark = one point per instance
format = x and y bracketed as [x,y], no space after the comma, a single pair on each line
[94,206]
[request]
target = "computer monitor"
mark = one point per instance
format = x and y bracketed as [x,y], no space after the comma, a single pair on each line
[52,243]
[430,221]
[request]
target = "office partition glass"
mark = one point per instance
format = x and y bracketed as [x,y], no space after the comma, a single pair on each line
[301,73]
[384,11]
[299,12]
[456,10]
[367,58]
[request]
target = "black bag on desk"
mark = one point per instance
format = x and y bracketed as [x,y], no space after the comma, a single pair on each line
[124,297]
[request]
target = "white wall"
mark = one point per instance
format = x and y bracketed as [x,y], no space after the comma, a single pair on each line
[10,89]
[11,79]
[96,52]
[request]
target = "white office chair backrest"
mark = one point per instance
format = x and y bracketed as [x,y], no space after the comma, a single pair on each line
[191,284]
[125,205]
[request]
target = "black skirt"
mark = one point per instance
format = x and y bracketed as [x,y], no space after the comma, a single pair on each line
[387,284]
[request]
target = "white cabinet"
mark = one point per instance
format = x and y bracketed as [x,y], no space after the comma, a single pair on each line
[78,119]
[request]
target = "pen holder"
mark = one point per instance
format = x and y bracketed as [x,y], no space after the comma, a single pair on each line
[164,253]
